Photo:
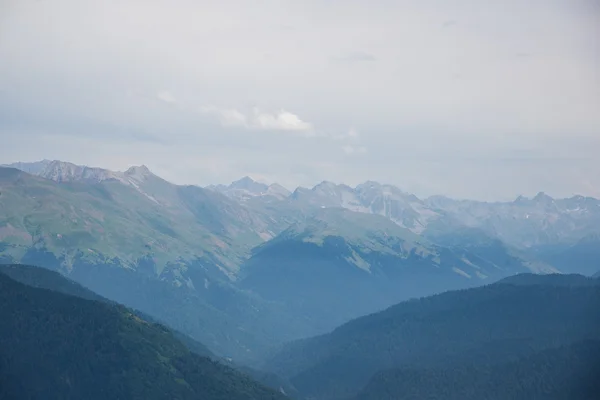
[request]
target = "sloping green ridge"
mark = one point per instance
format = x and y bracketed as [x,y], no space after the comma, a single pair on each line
[158,225]
[55,346]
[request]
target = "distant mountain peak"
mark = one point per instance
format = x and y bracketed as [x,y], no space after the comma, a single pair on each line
[243,181]
[369,185]
[247,188]
[247,183]
[521,199]
[277,189]
[325,184]
[138,173]
[543,199]
[542,196]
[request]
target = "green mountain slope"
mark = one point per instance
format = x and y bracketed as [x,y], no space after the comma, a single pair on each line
[568,372]
[167,250]
[145,223]
[488,325]
[55,346]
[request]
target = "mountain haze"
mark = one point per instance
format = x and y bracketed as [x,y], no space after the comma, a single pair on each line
[249,266]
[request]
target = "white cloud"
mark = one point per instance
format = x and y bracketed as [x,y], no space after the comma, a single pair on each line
[260,120]
[351,135]
[227,116]
[166,96]
[350,150]
[282,120]
[352,141]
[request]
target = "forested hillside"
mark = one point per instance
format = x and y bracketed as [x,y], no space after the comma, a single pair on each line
[56,346]
[569,372]
[494,324]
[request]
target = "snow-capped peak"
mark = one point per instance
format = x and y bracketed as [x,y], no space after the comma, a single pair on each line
[249,184]
[247,188]
[138,173]
[279,191]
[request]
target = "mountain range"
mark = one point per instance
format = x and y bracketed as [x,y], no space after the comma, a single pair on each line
[246,267]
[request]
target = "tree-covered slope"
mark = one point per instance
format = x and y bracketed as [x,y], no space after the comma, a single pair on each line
[56,346]
[46,279]
[488,325]
[568,372]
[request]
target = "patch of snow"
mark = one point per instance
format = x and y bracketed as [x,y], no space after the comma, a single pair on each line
[480,275]
[469,263]
[266,235]
[359,262]
[461,272]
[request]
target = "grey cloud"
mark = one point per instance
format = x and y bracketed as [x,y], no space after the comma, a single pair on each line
[129,80]
[356,56]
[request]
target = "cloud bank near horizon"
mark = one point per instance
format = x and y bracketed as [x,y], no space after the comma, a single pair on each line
[466,99]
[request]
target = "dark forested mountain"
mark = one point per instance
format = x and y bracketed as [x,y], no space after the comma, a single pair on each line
[54,281]
[56,346]
[46,279]
[568,372]
[494,324]
[572,280]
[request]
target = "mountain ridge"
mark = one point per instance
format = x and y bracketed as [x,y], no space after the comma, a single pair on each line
[58,346]
[515,222]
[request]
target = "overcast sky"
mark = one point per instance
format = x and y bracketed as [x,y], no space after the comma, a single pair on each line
[476,99]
